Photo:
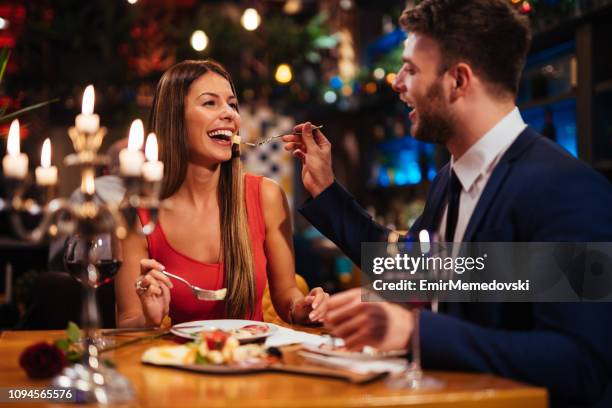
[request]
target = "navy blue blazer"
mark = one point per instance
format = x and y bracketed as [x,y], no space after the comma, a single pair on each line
[536,193]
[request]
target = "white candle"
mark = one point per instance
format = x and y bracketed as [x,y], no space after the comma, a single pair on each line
[131,159]
[87,121]
[153,169]
[15,163]
[46,174]
[88,185]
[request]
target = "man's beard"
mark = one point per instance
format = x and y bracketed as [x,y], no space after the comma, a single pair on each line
[435,123]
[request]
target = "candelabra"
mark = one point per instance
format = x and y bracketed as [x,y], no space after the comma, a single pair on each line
[86,220]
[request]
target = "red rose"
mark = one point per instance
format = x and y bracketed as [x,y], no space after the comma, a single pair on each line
[42,360]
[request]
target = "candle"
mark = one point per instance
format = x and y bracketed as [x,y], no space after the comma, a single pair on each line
[236,139]
[46,174]
[425,242]
[131,159]
[88,185]
[15,163]
[153,169]
[87,121]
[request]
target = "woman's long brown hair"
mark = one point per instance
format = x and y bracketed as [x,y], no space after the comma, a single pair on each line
[167,120]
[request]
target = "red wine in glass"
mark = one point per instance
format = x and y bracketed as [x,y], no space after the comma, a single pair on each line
[103,273]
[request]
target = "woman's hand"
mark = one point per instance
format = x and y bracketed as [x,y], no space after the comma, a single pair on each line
[153,290]
[311,308]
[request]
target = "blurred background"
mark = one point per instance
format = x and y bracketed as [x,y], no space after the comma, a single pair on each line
[327,61]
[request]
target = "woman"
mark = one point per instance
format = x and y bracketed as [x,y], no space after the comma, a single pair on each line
[218,227]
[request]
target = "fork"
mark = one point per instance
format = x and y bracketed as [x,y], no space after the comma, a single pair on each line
[268,140]
[201,294]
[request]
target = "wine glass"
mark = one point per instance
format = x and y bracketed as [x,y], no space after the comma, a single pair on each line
[93,259]
[413,377]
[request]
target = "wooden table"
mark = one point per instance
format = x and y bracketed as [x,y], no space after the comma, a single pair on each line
[165,387]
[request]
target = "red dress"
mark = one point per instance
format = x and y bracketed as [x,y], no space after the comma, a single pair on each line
[184,306]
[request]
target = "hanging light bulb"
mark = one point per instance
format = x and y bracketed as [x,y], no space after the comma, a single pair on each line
[525,7]
[250,19]
[283,73]
[292,6]
[199,40]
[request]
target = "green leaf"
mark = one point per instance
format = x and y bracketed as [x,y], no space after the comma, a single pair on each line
[73,356]
[13,115]
[73,331]
[5,53]
[63,344]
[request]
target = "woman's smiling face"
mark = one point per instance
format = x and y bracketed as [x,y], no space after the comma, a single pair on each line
[211,117]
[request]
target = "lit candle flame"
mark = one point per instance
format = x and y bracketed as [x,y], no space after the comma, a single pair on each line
[90,187]
[151,148]
[424,240]
[45,156]
[88,100]
[136,137]
[13,139]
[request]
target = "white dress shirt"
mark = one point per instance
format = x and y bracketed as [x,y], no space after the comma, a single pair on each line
[474,168]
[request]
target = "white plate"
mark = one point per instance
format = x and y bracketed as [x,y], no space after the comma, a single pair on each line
[189,330]
[372,355]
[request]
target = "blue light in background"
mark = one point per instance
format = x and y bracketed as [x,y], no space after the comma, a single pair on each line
[335,82]
[401,158]
[564,119]
[383,177]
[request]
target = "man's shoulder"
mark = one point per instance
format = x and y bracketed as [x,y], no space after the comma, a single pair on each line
[544,161]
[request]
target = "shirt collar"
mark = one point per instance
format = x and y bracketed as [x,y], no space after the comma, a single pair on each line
[482,154]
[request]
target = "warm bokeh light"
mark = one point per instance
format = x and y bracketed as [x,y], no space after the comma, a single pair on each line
[132,1]
[292,6]
[12,146]
[347,90]
[346,4]
[283,73]
[136,137]
[151,148]
[89,97]
[370,87]
[390,78]
[3,23]
[199,40]
[525,7]
[45,155]
[250,19]
[379,73]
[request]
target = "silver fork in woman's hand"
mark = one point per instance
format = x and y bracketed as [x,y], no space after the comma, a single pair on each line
[268,140]
[201,294]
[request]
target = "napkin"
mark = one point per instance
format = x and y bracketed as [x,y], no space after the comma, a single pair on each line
[387,365]
[284,336]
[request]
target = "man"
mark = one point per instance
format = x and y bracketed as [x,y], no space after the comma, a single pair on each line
[504,183]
